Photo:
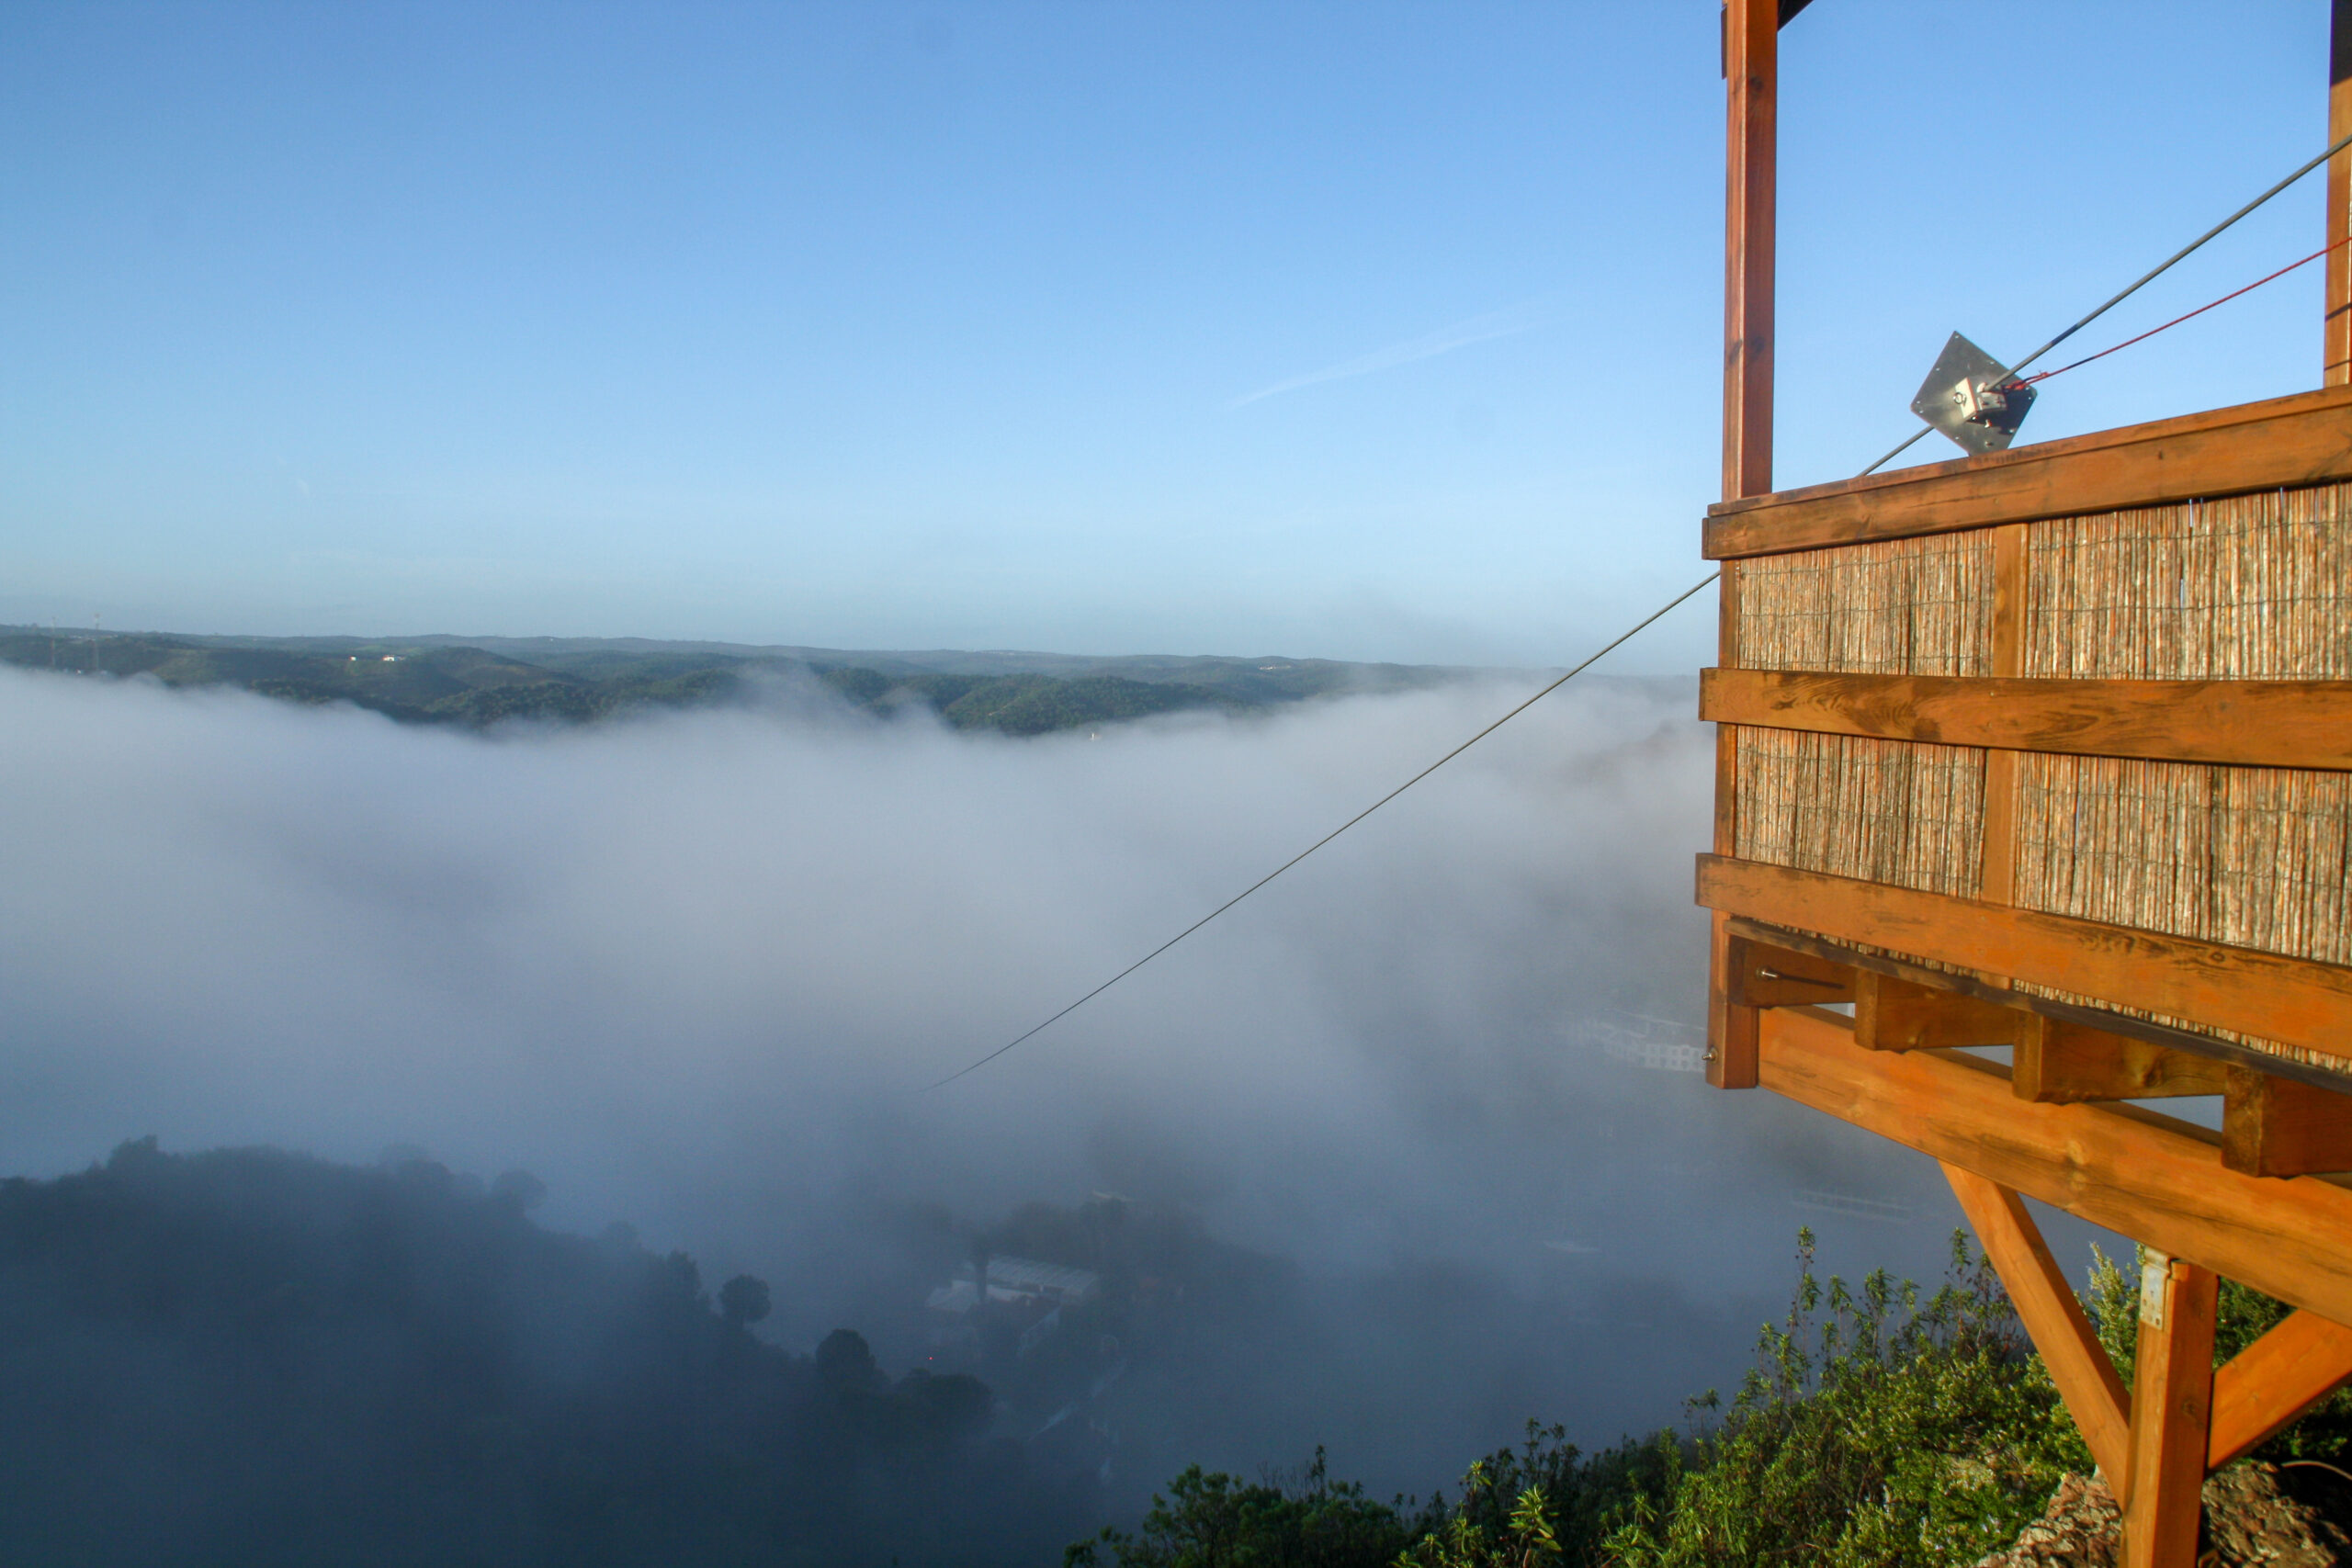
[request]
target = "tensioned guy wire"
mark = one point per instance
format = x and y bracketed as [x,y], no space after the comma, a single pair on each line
[2153,274]
[1622,639]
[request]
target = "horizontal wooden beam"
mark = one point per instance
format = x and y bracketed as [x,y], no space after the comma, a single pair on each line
[1766,976]
[2157,1180]
[2274,1379]
[2104,1019]
[2060,1063]
[2298,439]
[2277,724]
[2274,1127]
[2294,1000]
[1904,1015]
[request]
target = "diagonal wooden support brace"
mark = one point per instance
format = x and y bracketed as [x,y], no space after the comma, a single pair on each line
[2046,1303]
[2273,1381]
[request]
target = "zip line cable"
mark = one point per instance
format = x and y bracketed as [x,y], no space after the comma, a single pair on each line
[1625,636]
[2155,273]
[2127,343]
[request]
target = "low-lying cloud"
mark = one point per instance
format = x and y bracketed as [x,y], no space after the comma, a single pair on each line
[692,970]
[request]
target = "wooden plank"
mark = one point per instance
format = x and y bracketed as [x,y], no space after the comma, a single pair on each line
[1902,1015]
[2305,438]
[2012,590]
[2047,1306]
[2293,1001]
[1731,1026]
[1751,75]
[2172,1410]
[2059,1063]
[2335,338]
[1998,856]
[2273,1126]
[1751,62]
[1766,976]
[2275,724]
[2225,1051]
[2149,1177]
[2271,1382]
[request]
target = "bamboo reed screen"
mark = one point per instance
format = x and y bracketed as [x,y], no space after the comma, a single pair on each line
[1901,607]
[2250,587]
[2252,857]
[1882,810]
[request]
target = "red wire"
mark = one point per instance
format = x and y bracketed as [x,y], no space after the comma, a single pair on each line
[2200,310]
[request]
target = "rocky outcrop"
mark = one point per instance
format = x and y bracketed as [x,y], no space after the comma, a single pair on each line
[2250,1522]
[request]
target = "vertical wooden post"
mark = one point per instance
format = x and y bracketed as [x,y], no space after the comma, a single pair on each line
[1751,75]
[1751,79]
[1996,877]
[2172,1408]
[2336,340]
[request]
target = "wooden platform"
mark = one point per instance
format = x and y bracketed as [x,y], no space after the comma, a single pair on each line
[2050,751]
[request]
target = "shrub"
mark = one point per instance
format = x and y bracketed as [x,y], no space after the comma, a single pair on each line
[1891,1430]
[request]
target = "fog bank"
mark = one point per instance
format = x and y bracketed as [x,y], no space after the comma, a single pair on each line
[693,970]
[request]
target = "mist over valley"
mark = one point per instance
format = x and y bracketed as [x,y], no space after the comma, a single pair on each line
[1403,1151]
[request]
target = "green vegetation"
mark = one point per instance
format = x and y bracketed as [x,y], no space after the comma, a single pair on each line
[1881,1427]
[1026,705]
[439,680]
[1891,1430]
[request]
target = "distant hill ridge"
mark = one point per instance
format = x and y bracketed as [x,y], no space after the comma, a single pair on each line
[477,682]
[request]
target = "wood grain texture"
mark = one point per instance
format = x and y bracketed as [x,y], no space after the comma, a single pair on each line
[2047,1305]
[2148,1177]
[2274,1379]
[1767,976]
[1751,80]
[1751,70]
[1997,861]
[2126,1024]
[2298,439]
[1731,1024]
[2058,1063]
[2277,723]
[2172,1409]
[2274,1127]
[1902,1015]
[2336,336]
[2295,1001]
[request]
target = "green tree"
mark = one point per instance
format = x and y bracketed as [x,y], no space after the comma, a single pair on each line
[1213,1520]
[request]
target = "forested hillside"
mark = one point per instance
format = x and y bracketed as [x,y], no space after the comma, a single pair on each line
[440,681]
[256,1358]
[253,1358]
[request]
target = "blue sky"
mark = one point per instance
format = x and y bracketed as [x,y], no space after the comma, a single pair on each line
[1356,329]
